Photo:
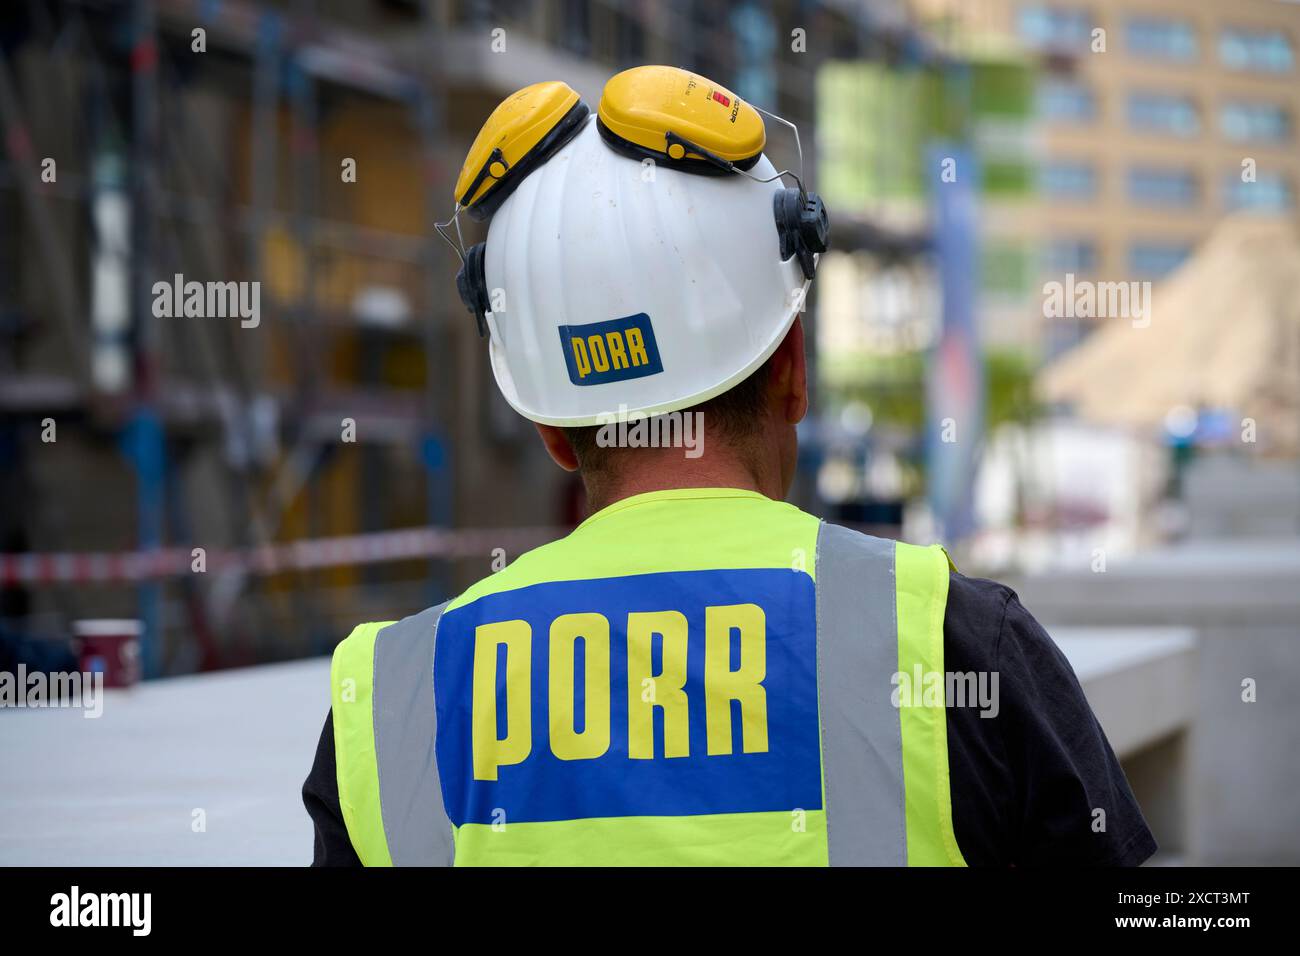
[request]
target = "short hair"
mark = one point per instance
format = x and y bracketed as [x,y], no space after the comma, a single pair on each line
[732,416]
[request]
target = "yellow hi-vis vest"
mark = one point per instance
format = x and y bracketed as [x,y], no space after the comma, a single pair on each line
[699,676]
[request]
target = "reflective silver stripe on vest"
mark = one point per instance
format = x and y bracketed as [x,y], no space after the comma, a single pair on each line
[857,655]
[406,725]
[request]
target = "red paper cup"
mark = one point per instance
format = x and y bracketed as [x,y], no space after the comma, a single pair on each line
[110,647]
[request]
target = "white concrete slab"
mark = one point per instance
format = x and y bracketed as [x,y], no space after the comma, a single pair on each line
[1233,582]
[122,789]
[1240,597]
[1140,682]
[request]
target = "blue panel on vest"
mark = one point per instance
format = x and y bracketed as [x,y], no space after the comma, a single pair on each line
[541,786]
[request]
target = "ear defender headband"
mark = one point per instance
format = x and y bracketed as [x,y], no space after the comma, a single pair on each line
[667,115]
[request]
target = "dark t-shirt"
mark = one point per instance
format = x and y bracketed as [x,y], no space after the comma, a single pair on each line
[1026,783]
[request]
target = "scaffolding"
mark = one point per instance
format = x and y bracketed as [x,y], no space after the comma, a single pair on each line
[182,214]
[240,429]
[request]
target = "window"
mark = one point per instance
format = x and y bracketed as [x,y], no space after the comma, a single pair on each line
[1067,180]
[1163,113]
[1154,260]
[1006,268]
[1070,255]
[1266,122]
[1065,100]
[1263,51]
[1161,187]
[1059,28]
[1160,38]
[1270,192]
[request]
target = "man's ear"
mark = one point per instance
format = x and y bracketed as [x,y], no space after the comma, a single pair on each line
[788,386]
[557,446]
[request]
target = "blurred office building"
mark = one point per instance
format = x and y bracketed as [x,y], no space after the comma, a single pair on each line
[1155,120]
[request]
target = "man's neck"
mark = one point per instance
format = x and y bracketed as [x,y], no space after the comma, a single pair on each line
[667,469]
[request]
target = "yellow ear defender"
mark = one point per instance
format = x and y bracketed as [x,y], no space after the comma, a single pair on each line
[679,119]
[672,116]
[522,133]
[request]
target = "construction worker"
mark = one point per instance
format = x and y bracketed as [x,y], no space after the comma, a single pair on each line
[698,673]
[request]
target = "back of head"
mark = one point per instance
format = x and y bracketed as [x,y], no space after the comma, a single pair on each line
[730,424]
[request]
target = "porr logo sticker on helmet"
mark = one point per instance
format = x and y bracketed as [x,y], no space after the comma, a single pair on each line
[611,351]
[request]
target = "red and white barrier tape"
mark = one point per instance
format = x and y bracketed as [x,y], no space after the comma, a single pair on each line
[85,567]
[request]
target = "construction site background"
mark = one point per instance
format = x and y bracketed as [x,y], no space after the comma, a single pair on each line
[248,494]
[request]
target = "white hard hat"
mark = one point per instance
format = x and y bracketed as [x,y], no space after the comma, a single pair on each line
[616,286]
